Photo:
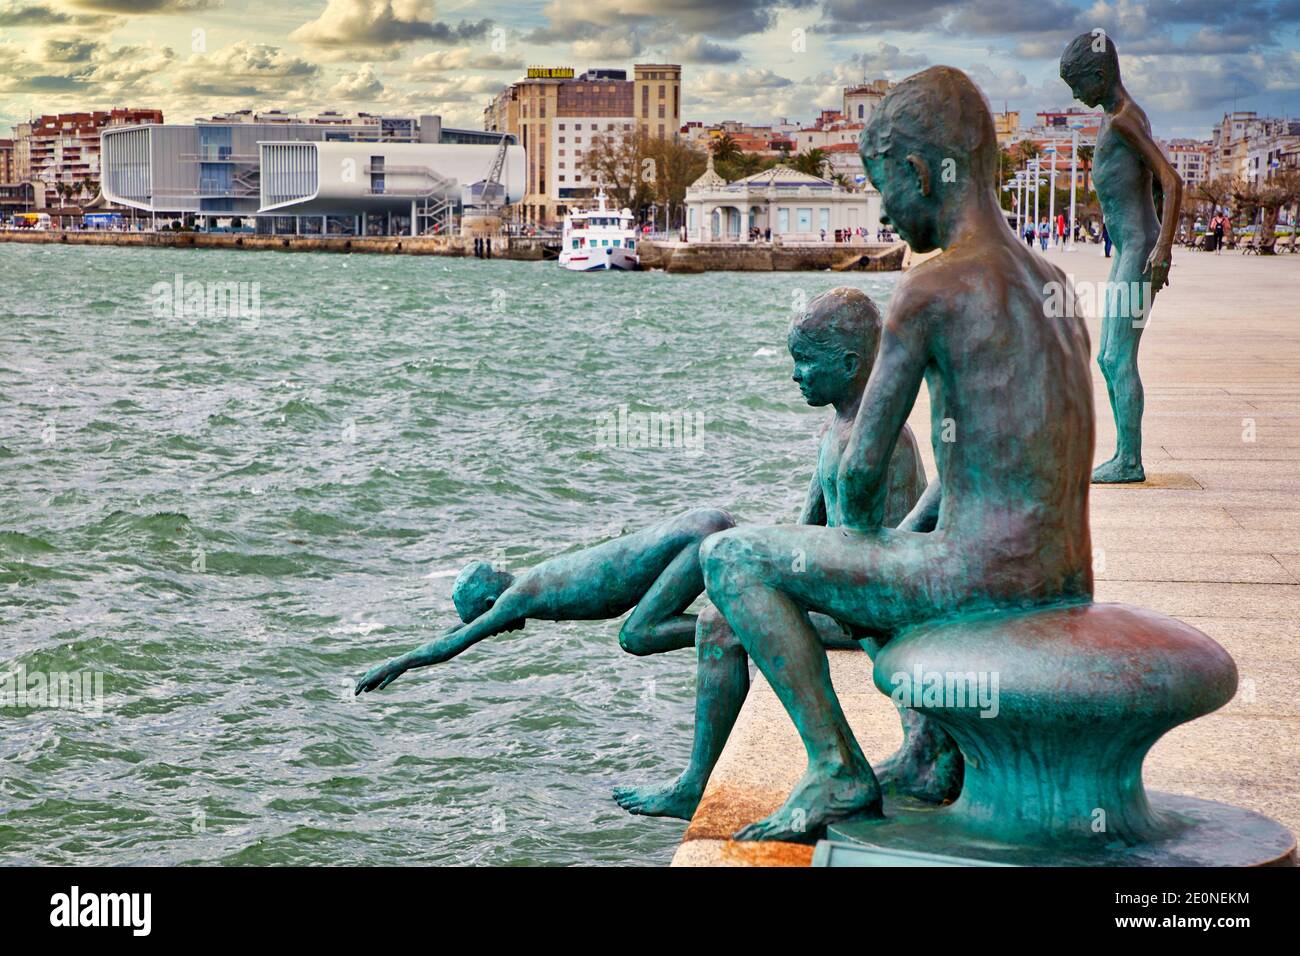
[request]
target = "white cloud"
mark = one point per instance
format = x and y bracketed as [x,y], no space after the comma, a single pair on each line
[380,25]
[361,85]
[461,58]
[247,70]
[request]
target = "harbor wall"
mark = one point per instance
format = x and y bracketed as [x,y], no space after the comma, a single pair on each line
[502,247]
[681,258]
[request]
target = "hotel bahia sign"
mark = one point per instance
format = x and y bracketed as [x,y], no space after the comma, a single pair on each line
[550,73]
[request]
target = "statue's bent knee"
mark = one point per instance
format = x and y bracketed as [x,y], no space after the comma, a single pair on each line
[635,639]
[713,635]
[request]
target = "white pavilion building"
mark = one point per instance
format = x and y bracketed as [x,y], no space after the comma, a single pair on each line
[795,206]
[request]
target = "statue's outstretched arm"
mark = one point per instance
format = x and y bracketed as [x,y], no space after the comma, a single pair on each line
[891,393]
[503,616]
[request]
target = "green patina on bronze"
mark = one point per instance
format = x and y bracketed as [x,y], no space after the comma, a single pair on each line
[990,577]
[1124,165]
[656,574]
[988,574]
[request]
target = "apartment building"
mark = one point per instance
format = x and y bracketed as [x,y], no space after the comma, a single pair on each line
[556,116]
[1272,151]
[8,165]
[1236,136]
[64,149]
[1007,126]
[1191,159]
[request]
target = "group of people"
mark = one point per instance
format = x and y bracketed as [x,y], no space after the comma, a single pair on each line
[1046,232]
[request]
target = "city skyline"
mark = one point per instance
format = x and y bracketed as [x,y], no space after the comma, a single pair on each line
[1188,61]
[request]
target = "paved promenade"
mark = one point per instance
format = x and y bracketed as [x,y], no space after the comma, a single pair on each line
[1212,538]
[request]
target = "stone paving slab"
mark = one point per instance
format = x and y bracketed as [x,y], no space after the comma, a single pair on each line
[1212,539]
[1175,567]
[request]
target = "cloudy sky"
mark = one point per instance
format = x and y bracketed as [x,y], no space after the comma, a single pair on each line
[1187,61]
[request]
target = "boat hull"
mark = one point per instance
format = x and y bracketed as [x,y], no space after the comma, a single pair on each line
[602,260]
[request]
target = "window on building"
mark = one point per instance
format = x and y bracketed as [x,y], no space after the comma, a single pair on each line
[824,218]
[661,110]
[804,220]
[783,220]
[561,126]
[577,126]
[663,91]
[561,139]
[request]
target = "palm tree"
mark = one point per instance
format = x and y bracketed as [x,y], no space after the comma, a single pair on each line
[813,162]
[725,149]
[1085,162]
[746,164]
[1027,149]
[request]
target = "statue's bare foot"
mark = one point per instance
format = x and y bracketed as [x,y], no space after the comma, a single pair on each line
[818,800]
[677,799]
[926,777]
[1116,472]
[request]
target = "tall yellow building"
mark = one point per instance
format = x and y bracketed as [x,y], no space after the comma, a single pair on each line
[555,116]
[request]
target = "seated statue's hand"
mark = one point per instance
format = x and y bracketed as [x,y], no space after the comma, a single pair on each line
[377,678]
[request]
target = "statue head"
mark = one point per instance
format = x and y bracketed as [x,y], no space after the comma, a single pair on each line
[833,343]
[1090,65]
[930,147]
[477,588]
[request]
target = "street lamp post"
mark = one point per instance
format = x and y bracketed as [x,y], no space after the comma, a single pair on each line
[1051,191]
[1022,182]
[1074,175]
[1037,165]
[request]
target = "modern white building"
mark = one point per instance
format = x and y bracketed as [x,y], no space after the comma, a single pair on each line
[389,188]
[212,170]
[794,206]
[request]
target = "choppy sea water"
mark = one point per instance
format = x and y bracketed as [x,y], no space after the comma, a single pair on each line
[230,518]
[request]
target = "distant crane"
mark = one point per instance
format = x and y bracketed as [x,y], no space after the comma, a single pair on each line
[493,195]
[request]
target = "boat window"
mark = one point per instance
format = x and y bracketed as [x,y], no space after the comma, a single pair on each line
[576,243]
[631,243]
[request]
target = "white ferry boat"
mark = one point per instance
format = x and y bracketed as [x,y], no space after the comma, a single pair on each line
[599,238]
